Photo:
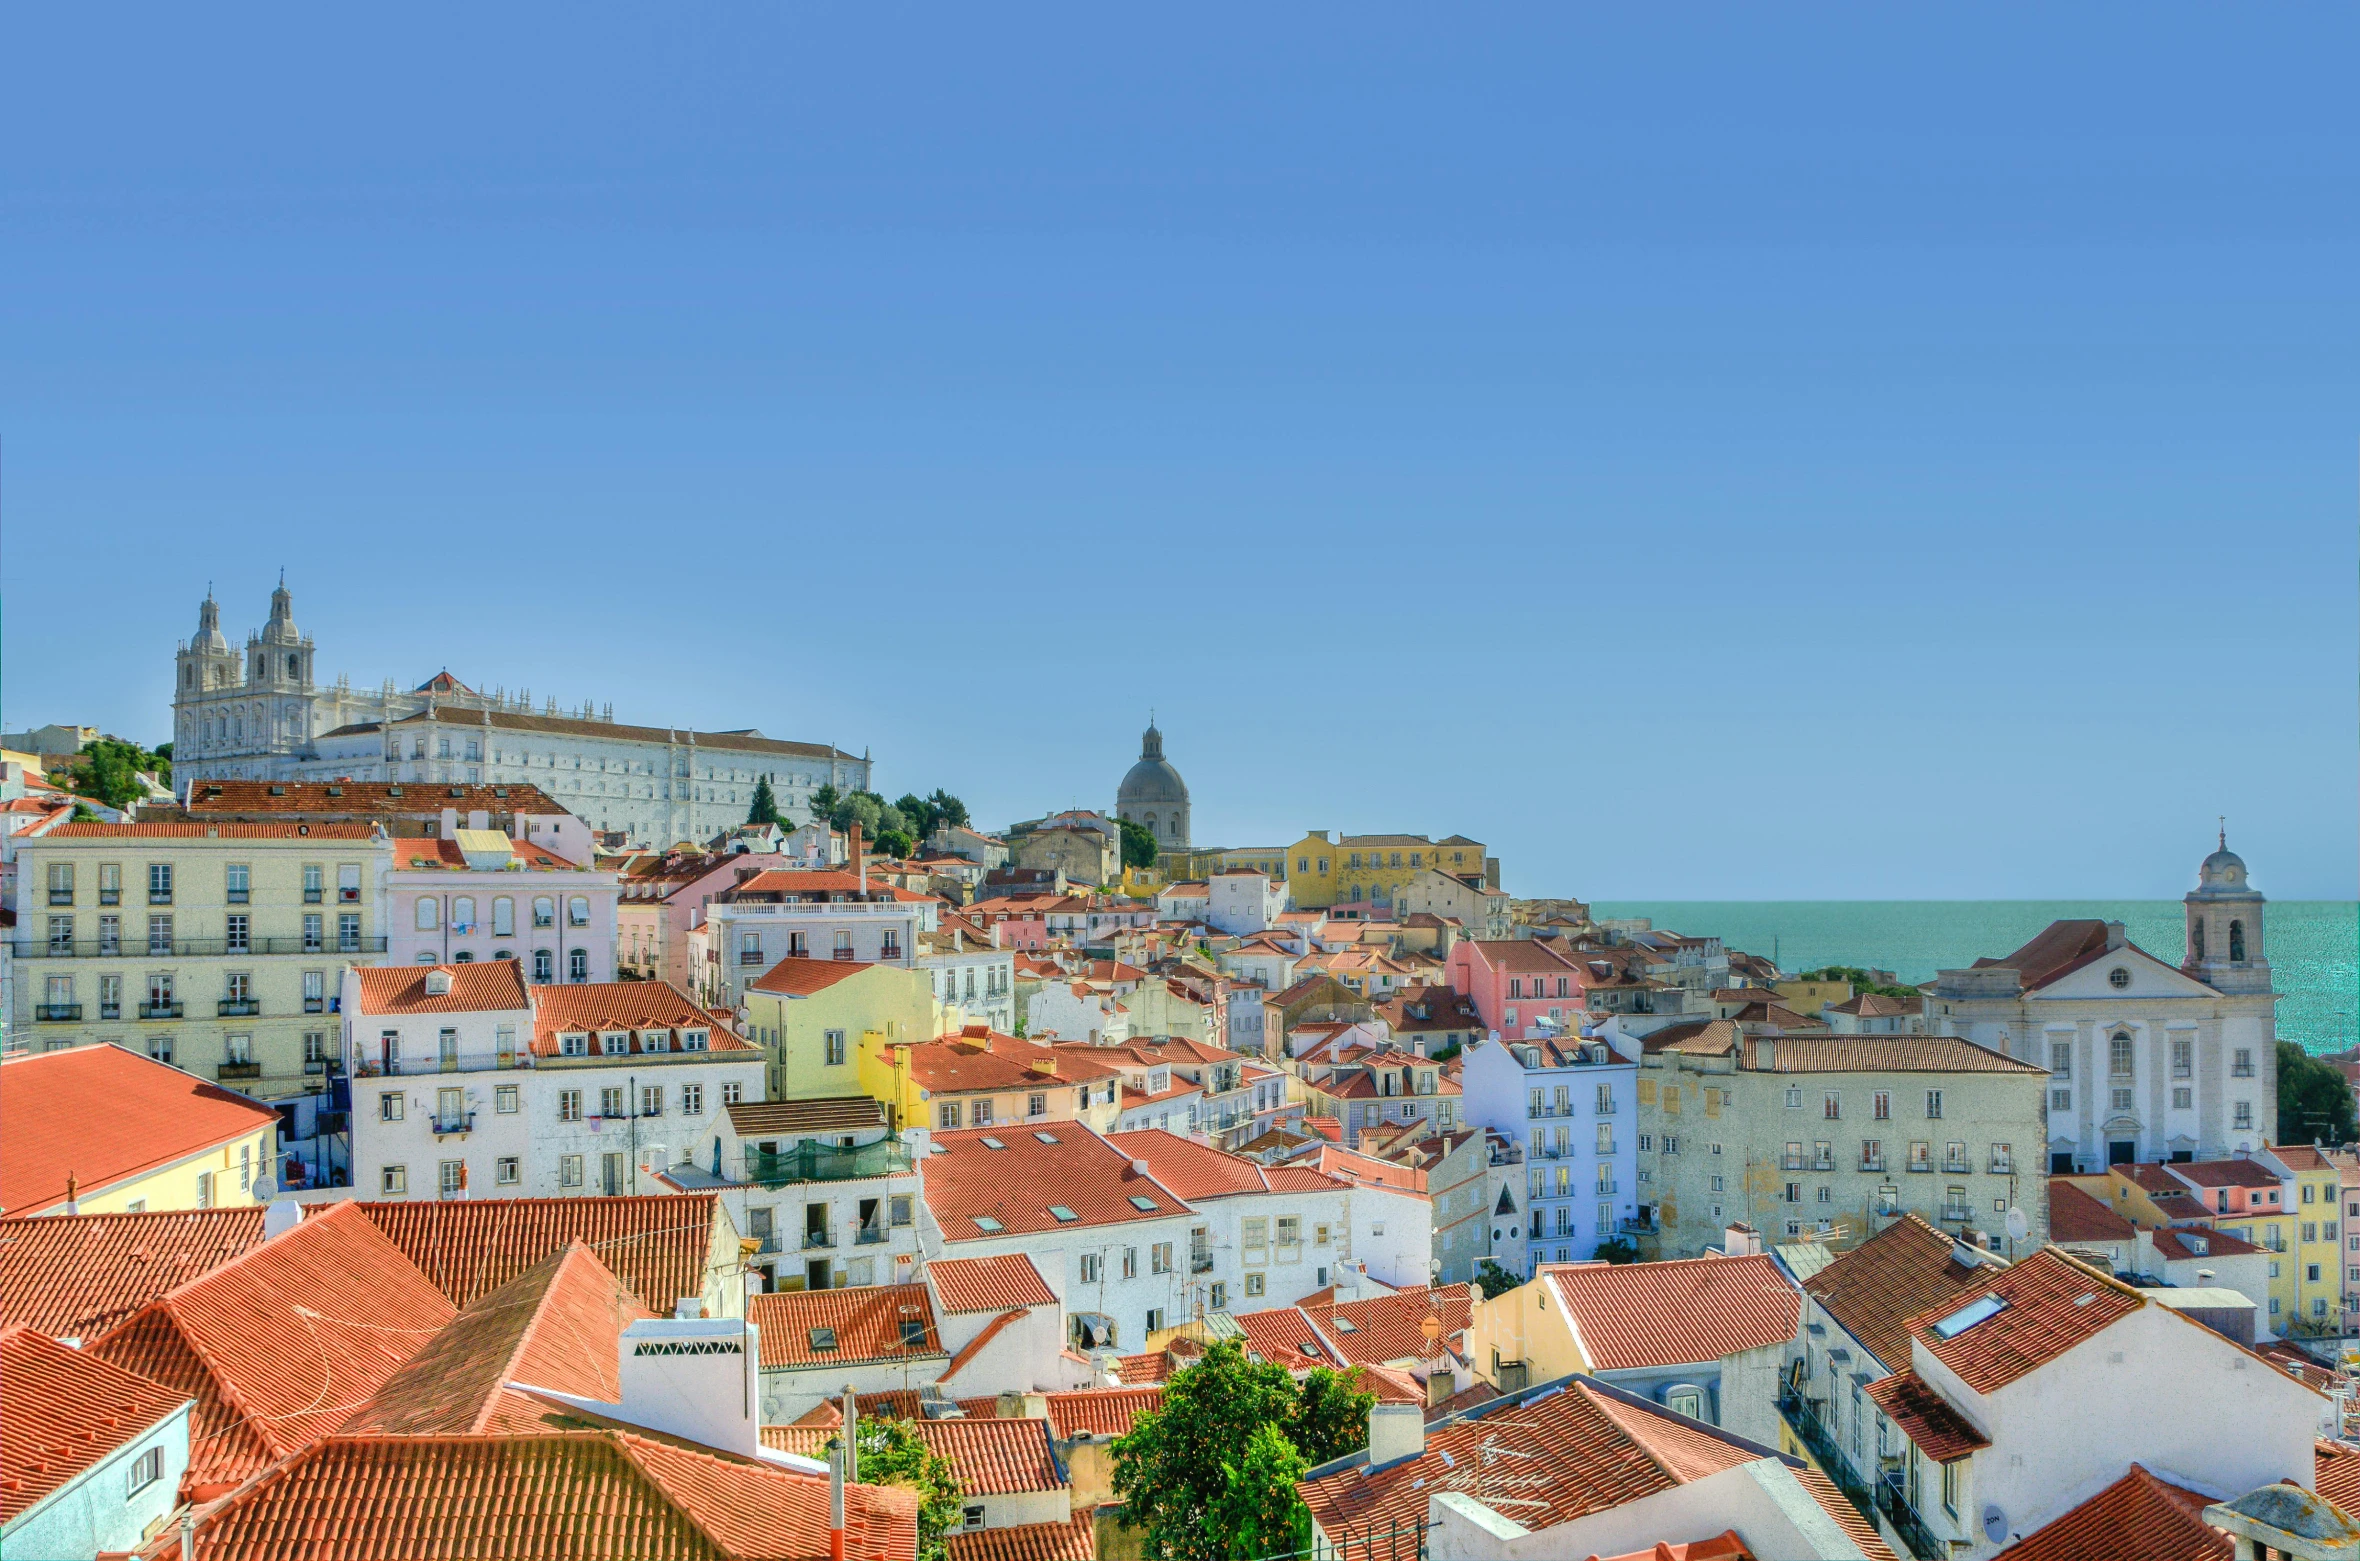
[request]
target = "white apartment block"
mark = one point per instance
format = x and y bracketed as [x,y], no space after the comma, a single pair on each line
[777,915]
[469,1083]
[1573,1107]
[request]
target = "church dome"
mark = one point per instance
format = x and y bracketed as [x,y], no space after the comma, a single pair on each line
[2223,870]
[1152,780]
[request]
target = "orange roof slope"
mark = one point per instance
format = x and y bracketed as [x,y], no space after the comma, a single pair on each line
[2053,1304]
[65,1411]
[993,1457]
[492,986]
[1075,1540]
[800,977]
[2076,1216]
[558,1325]
[2138,1515]
[581,1496]
[623,1005]
[77,1275]
[101,1115]
[279,1346]
[657,1245]
[1677,1313]
[1101,1411]
[866,1321]
[1925,1417]
[1063,1164]
[1877,1287]
[989,1284]
[1389,1327]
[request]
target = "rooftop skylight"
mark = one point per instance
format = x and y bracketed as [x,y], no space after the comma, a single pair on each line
[1062,1214]
[987,1224]
[823,1338]
[1967,1316]
[992,1143]
[1138,1202]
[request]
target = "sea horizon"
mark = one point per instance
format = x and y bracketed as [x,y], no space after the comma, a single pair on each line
[2313,945]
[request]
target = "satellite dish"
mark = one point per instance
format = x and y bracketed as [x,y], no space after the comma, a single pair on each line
[265,1188]
[1995,1525]
[2018,1228]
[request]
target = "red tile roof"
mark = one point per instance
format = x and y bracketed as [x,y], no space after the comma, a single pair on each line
[490,986]
[1546,1458]
[1874,1290]
[657,1245]
[1076,1540]
[993,1457]
[624,1005]
[958,1065]
[1389,1327]
[2226,1173]
[280,1345]
[2076,1216]
[2053,1303]
[2057,950]
[2174,1245]
[867,1322]
[1283,1336]
[799,977]
[102,1115]
[1101,1411]
[1682,1312]
[389,799]
[558,1325]
[989,1284]
[76,1276]
[2337,1465]
[2138,1515]
[1016,1184]
[1925,1417]
[411,852]
[64,1412]
[1522,954]
[212,831]
[581,1496]
[1198,1171]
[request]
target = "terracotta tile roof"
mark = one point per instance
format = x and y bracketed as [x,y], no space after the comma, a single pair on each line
[2149,1178]
[2076,1216]
[1151,1366]
[2177,1245]
[1283,1336]
[1876,1005]
[2300,1157]
[1191,1169]
[2057,950]
[375,798]
[798,1118]
[1101,1411]
[1076,1540]
[748,741]
[1345,1165]
[892,1403]
[1694,1038]
[800,883]
[1922,1415]
[2138,1515]
[1015,1185]
[2226,1173]
[214,831]
[989,1284]
[657,1245]
[2053,1303]
[1389,1327]
[558,1325]
[799,977]
[966,1064]
[76,1276]
[581,1496]
[489,986]
[1874,1290]
[624,1005]
[154,1115]
[280,1345]
[2337,1465]
[1523,955]
[413,852]
[1836,1505]
[866,1323]
[65,1411]
[1894,1054]
[993,1457]
[1547,1458]
[1681,1312]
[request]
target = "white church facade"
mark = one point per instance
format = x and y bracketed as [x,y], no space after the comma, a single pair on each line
[260,714]
[2148,1061]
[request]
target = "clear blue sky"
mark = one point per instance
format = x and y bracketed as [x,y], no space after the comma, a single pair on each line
[1746,452]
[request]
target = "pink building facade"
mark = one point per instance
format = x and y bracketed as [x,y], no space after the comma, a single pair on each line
[1521,987]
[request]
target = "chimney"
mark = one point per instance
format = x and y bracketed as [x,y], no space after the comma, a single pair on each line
[450,823]
[836,1503]
[1741,1241]
[279,1216]
[1395,1432]
[695,1378]
[851,1436]
[2115,937]
[73,1200]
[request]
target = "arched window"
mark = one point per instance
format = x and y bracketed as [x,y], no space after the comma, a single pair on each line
[577,965]
[2196,940]
[463,913]
[544,966]
[188,677]
[428,909]
[544,911]
[291,666]
[2118,1055]
[2237,943]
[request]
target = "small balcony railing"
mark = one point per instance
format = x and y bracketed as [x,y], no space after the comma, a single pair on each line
[1606,1107]
[315,1005]
[238,1007]
[61,896]
[1793,1162]
[749,956]
[1872,1162]
[1200,1264]
[1915,1534]
[238,1070]
[159,897]
[816,1240]
[1958,1167]
[1825,1162]
[56,1013]
[870,1236]
[110,1010]
[2003,1165]
[816,1162]
[110,896]
[1609,1187]
[455,1124]
[159,1010]
[844,954]
[1921,1167]
[191,948]
[1956,1213]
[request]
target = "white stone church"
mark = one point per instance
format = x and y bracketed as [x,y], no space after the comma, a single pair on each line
[2148,1061]
[260,715]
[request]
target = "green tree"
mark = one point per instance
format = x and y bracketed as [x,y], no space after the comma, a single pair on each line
[1494,1279]
[892,1454]
[2314,1103]
[765,808]
[891,820]
[947,809]
[1139,848]
[1183,1472]
[895,842]
[857,807]
[108,771]
[1258,1512]
[823,804]
[1861,981]
[1619,1249]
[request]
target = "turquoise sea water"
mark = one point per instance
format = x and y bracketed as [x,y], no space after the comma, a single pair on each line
[2314,945]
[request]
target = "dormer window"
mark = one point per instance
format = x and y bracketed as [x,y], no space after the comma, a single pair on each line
[614,1042]
[576,1045]
[692,1040]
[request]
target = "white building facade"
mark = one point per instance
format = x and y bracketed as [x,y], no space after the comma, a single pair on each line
[1573,1108]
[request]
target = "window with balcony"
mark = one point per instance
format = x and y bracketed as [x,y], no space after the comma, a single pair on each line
[159,883]
[237,934]
[2241,1063]
[348,883]
[314,883]
[110,883]
[348,932]
[1872,1155]
[1921,1155]
[240,883]
[61,883]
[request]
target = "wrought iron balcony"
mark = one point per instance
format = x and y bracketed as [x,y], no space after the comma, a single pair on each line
[190,948]
[238,1007]
[456,1123]
[870,1236]
[55,1013]
[1893,1502]
[810,1161]
[817,1240]
[159,1010]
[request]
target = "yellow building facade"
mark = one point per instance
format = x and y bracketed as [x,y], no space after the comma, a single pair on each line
[824,1027]
[1359,873]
